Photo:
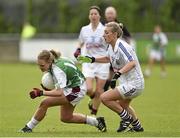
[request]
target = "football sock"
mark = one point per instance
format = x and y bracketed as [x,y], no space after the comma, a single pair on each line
[106,86]
[136,124]
[32,123]
[124,115]
[91,121]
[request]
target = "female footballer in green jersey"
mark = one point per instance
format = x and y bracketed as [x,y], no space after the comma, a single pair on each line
[70,88]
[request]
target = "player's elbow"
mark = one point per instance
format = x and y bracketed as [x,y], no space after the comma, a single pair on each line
[133,63]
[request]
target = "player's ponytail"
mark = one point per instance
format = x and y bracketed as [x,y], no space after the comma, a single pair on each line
[49,56]
[55,54]
[121,25]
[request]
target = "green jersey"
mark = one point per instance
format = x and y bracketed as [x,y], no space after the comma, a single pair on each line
[66,74]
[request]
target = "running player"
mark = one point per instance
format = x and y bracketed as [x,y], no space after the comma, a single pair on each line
[157,51]
[127,69]
[92,44]
[70,88]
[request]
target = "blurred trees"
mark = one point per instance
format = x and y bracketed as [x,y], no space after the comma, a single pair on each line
[68,16]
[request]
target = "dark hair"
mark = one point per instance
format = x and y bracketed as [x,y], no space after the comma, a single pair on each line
[96,8]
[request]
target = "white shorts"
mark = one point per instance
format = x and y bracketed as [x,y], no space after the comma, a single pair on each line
[128,91]
[99,70]
[75,98]
[157,54]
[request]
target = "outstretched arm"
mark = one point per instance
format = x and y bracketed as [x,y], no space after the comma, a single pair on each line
[102,60]
[87,59]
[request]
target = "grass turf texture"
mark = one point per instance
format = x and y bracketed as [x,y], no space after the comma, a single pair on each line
[158,107]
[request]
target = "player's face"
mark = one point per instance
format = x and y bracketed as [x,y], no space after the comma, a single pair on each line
[94,16]
[43,65]
[157,29]
[109,36]
[110,16]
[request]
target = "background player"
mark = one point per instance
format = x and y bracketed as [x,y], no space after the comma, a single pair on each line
[157,51]
[92,44]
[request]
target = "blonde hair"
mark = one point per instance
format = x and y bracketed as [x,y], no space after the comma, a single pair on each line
[115,27]
[49,55]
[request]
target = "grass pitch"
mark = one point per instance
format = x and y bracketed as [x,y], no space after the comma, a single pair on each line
[158,107]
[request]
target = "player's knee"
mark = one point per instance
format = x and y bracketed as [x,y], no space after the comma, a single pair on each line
[44,104]
[104,98]
[89,90]
[99,91]
[66,119]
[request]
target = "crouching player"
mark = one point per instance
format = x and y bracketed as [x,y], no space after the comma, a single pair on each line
[69,89]
[127,69]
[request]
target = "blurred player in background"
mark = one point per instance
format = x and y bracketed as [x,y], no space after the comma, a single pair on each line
[111,16]
[70,88]
[92,44]
[127,69]
[158,51]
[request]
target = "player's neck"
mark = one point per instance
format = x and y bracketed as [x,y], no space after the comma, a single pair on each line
[94,25]
[113,43]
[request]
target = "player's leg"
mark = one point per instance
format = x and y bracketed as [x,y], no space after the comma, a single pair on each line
[68,116]
[151,61]
[98,91]
[136,125]
[42,109]
[87,69]
[90,93]
[128,92]
[89,84]
[109,99]
[162,62]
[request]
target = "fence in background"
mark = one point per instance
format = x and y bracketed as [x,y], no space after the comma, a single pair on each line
[12,48]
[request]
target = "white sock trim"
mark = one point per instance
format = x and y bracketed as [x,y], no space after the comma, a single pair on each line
[91,121]
[32,123]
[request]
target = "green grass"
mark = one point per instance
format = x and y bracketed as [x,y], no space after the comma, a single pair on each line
[158,107]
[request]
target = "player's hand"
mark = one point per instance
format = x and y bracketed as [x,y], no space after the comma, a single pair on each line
[35,93]
[85,59]
[114,79]
[77,52]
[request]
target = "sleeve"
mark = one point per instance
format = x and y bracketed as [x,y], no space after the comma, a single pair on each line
[107,51]
[125,51]
[164,40]
[60,77]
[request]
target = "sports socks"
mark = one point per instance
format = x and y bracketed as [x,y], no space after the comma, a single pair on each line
[91,121]
[124,115]
[32,123]
[136,124]
[107,84]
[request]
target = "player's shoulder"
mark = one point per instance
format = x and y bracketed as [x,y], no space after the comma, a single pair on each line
[123,43]
[86,27]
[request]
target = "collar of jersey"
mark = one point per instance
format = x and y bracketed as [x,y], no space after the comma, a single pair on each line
[99,25]
[116,45]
